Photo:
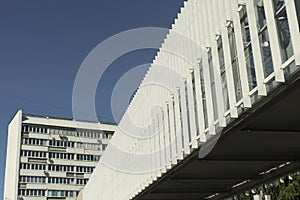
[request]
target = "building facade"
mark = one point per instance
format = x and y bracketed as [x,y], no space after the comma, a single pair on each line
[51,158]
[219,59]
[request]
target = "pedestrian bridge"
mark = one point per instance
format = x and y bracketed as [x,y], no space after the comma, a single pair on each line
[218,110]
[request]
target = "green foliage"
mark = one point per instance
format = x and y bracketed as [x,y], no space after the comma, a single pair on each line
[290,191]
[285,189]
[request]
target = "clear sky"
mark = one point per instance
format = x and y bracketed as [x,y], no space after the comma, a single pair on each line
[43,43]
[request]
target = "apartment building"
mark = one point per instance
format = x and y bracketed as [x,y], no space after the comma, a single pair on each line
[51,158]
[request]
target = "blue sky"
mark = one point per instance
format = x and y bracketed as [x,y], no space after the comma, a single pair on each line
[43,43]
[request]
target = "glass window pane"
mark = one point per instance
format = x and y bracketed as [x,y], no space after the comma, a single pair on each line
[284,35]
[223,73]
[248,48]
[213,85]
[260,14]
[203,95]
[278,4]
[245,26]
[266,52]
[263,37]
[250,67]
[234,61]
[195,103]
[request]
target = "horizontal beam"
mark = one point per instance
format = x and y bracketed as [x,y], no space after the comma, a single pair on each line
[198,179]
[250,160]
[199,191]
[252,131]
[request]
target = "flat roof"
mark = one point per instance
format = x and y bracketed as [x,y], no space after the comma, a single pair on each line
[69,119]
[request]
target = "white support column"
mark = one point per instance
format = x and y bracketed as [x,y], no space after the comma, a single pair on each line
[189,67]
[177,111]
[181,63]
[216,17]
[151,124]
[241,55]
[227,60]
[169,117]
[257,54]
[227,9]
[202,136]
[161,121]
[218,85]
[171,113]
[214,24]
[210,22]
[229,76]
[176,46]
[207,81]
[156,119]
[274,41]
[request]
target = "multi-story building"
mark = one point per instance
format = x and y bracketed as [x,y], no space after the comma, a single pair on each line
[51,158]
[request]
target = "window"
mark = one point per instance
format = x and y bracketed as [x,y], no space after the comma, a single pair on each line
[55,180]
[187,109]
[107,134]
[180,114]
[247,48]
[81,181]
[25,128]
[31,192]
[202,84]
[32,179]
[56,193]
[169,127]
[34,129]
[96,158]
[33,166]
[212,84]
[32,141]
[174,122]
[35,154]
[92,146]
[97,135]
[195,103]
[62,131]
[61,193]
[82,169]
[61,168]
[85,157]
[283,29]
[70,193]
[66,156]
[223,73]
[60,143]
[234,62]
[89,134]
[104,146]
[263,37]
